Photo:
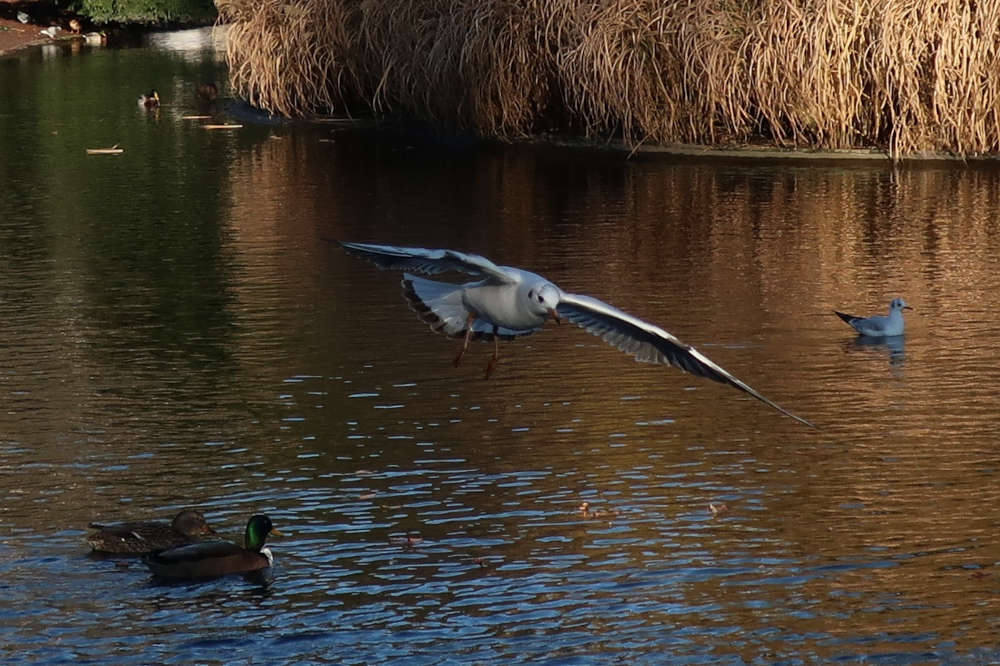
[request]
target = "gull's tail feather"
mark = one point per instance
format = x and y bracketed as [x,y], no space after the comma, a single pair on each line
[846,317]
[440,306]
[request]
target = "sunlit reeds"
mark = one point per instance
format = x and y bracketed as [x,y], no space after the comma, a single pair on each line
[909,76]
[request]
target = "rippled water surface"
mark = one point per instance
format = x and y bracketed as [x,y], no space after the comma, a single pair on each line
[177,329]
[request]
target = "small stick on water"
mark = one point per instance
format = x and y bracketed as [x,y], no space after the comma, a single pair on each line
[113,150]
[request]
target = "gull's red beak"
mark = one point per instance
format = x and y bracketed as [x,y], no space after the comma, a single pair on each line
[555,315]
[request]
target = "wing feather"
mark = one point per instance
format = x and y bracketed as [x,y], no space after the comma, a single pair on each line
[649,343]
[428,262]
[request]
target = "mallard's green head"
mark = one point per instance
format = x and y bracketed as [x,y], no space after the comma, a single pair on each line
[258,527]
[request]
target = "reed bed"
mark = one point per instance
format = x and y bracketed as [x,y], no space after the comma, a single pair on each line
[907,76]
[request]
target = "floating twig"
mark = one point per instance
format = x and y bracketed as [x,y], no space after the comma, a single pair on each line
[221,127]
[113,150]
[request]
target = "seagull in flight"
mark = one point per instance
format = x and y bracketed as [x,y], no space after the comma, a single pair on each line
[879,326]
[506,302]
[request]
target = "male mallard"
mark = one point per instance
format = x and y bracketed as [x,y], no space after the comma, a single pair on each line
[211,559]
[150,101]
[138,538]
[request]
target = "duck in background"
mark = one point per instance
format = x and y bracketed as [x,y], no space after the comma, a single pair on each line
[150,101]
[212,559]
[207,92]
[144,537]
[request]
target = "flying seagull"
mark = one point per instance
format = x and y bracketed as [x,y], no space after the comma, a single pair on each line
[507,302]
[879,326]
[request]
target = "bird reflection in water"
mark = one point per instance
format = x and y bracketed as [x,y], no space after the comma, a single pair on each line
[893,345]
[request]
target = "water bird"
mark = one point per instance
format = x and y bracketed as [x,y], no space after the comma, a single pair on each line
[587,512]
[51,31]
[212,559]
[207,92]
[74,25]
[150,101]
[508,302]
[879,326]
[143,537]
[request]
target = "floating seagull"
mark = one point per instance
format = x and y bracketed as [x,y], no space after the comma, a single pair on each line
[879,326]
[509,302]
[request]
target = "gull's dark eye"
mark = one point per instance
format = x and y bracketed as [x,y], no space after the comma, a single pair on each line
[539,298]
[531,293]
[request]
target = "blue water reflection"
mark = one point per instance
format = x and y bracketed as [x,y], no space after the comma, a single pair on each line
[178,331]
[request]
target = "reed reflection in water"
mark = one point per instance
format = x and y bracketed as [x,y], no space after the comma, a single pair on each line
[220,353]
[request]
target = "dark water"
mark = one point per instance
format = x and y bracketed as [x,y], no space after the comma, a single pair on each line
[176,330]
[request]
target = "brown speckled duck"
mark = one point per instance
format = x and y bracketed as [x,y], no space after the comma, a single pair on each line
[140,538]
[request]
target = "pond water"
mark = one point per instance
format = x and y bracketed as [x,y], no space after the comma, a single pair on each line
[177,329]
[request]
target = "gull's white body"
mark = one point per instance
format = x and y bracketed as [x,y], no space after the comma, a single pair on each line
[879,326]
[501,304]
[508,302]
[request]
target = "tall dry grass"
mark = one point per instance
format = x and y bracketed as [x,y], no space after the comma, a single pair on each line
[910,76]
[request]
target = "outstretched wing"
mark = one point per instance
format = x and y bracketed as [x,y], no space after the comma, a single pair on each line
[428,262]
[649,343]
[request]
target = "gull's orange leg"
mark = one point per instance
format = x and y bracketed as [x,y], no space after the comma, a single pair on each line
[496,354]
[468,336]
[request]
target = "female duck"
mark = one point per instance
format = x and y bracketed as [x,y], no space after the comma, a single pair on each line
[139,538]
[211,559]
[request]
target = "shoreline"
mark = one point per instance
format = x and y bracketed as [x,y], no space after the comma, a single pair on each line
[16,36]
[762,152]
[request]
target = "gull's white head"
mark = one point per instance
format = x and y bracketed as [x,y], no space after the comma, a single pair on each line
[543,298]
[899,304]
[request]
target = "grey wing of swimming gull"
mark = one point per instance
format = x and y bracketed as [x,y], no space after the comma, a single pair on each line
[427,262]
[649,343]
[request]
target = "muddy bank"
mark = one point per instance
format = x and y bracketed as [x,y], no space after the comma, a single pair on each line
[15,35]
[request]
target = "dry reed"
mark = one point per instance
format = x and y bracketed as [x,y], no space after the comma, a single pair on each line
[909,76]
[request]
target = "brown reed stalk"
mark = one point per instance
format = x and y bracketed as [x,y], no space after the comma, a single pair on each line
[910,76]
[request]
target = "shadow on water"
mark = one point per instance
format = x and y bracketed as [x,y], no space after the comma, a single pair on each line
[260,580]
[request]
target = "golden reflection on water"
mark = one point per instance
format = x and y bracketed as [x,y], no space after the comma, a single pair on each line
[316,394]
